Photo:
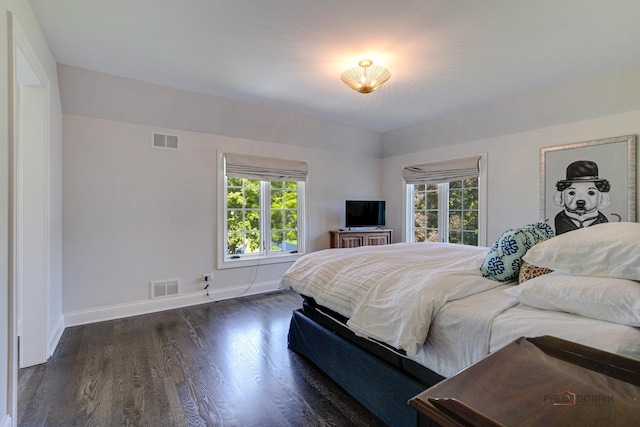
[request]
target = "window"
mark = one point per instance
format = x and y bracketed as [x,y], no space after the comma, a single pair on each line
[444,202]
[243,216]
[284,216]
[446,212]
[263,207]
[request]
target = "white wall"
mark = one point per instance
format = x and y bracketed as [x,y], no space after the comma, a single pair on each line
[513,168]
[512,132]
[93,94]
[600,96]
[133,214]
[113,245]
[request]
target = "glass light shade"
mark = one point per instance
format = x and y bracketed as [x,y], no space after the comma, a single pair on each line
[366,77]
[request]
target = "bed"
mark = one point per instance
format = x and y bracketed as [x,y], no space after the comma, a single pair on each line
[386,322]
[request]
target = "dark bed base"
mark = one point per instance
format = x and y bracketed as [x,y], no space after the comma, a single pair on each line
[380,386]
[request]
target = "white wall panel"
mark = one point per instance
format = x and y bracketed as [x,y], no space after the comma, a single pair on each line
[94,94]
[134,214]
[513,168]
[599,96]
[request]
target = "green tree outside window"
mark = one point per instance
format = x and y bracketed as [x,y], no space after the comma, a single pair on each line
[247,225]
[457,200]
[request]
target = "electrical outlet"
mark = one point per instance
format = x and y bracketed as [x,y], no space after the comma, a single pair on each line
[207,277]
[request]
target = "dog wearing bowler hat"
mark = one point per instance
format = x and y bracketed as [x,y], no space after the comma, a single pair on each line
[582,195]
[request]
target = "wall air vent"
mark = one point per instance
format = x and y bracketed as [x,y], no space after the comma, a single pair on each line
[165,288]
[164,141]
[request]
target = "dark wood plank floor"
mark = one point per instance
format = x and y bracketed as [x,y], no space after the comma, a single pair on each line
[216,364]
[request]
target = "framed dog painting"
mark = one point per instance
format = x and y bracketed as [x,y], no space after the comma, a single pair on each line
[588,183]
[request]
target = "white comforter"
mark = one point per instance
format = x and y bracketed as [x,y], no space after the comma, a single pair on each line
[391,293]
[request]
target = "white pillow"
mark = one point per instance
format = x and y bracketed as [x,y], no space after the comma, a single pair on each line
[605,250]
[603,298]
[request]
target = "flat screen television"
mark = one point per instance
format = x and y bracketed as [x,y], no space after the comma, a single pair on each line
[364,213]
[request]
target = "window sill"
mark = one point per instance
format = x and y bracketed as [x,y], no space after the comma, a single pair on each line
[253,260]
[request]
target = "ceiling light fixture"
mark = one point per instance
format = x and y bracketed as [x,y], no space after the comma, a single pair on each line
[366,77]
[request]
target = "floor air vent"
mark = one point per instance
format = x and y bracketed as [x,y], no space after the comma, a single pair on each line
[165,141]
[165,288]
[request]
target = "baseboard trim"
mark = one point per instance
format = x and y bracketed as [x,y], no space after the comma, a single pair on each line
[6,421]
[118,311]
[243,291]
[55,336]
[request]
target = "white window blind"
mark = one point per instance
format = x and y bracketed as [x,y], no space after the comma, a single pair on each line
[444,171]
[265,168]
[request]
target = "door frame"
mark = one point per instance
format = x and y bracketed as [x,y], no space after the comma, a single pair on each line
[19,44]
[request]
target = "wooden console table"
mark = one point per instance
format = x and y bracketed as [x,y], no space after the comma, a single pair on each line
[544,381]
[357,238]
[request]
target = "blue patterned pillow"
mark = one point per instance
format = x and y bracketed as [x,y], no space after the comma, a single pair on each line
[503,261]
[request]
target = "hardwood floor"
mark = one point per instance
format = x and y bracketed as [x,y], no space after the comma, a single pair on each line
[216,364]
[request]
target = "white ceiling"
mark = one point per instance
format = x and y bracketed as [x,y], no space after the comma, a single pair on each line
[445,56]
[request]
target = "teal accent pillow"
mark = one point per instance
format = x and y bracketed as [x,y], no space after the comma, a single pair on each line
[504,259]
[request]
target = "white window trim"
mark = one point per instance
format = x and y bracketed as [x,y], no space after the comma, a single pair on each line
[482,205]
[249,260]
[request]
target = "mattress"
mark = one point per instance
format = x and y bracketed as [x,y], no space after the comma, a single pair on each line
[522,320]
[429,304]
[449,348]
[390,293]
[394,357]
